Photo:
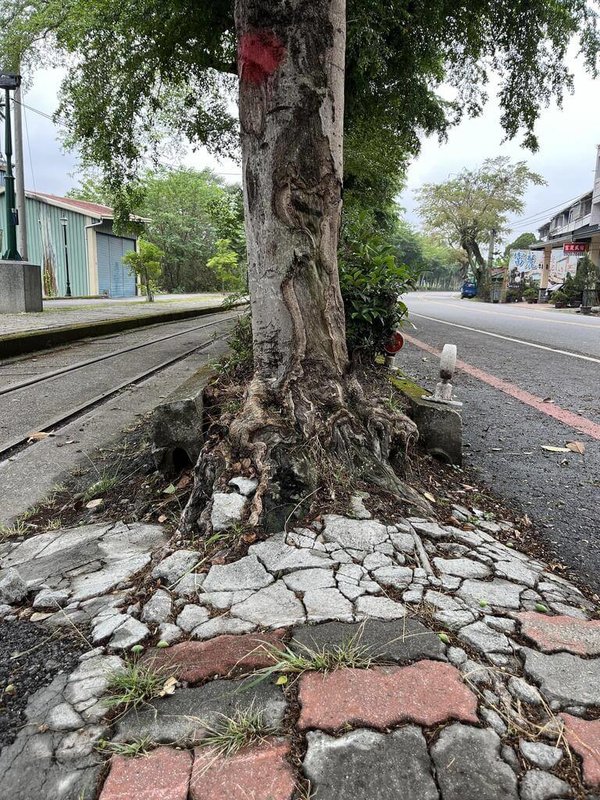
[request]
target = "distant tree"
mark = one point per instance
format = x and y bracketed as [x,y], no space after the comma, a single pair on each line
[145,264]
[92,188]
[467,208]
[522,242]
[225,264]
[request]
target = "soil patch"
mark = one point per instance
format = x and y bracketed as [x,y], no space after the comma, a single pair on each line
[30,657]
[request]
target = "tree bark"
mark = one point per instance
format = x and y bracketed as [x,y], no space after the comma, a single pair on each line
[302,404]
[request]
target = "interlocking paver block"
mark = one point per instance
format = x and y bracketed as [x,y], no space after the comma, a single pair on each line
[401,641]
[552,634]
[185,716]
[427,693]
[568,679]
[163,774]
[193,662]
[364,765]
[469,767]
[260,772]
[584,737]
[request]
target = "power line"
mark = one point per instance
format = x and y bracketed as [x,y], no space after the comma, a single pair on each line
[540,214]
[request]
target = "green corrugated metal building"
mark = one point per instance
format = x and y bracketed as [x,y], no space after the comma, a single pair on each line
[95,253]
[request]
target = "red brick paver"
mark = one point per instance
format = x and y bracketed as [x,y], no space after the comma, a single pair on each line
[427,693]
[583,736]
[195,661]
[256,773]
[552,634]
[163,774]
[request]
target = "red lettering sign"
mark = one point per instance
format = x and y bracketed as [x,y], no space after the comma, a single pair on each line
[575,247]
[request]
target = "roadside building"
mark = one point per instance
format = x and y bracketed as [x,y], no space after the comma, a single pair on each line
[61,230]
[569,234]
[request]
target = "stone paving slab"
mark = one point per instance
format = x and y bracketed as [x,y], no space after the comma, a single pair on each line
[583,736]
[399,641]
[364,765]
[260,772]
[184,717]
[552,634]
[469,767]
[194,662]
[472,686]
[428,693]
[162,774]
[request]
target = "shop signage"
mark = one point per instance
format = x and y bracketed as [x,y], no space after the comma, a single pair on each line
[575,247]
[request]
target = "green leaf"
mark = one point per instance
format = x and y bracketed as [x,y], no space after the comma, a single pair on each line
[541,608]
[170,489]
[162,644]
[281,680]
[137,648]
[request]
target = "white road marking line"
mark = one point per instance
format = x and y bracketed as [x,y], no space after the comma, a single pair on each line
[509,338]
[515,313]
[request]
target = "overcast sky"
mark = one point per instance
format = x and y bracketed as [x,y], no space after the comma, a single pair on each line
[566,157]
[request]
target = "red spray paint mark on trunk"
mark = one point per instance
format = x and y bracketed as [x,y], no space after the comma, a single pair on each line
[259,55]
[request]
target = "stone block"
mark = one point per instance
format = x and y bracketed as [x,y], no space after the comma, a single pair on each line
[177,435]
[20,287]
[440,427]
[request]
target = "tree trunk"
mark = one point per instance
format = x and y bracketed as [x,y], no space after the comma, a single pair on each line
[302,404]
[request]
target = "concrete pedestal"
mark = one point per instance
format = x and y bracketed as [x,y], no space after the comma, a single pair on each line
[20,287]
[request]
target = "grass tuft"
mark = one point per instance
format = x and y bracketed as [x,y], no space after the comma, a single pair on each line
[138,747]
[104,484]
[134,686]
[246,727]
[349,654]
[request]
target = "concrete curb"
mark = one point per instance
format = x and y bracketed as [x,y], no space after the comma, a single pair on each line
[440,427]
[17,344]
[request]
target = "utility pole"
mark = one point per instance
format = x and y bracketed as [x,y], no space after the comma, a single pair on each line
[9,81]
[20,175]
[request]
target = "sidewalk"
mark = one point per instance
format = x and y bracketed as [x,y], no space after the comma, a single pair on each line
[61,312]
[466,670]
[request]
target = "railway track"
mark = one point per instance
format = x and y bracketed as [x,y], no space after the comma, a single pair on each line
[46,425]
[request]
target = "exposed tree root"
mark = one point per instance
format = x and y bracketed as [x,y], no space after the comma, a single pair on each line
[293,443]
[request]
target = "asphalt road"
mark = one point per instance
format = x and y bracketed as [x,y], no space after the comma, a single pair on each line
[531,377]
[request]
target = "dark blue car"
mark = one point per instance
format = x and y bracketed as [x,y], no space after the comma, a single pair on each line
[469,289]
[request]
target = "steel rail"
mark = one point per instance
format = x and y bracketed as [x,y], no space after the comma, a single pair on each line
[12,444]
[15,387]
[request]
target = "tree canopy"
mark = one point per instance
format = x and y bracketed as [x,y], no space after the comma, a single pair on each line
[465,209]
[139,69]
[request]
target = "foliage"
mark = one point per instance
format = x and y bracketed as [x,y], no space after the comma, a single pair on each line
[244,728]
[225,264]
[143,72]
[239,356]
[145,264]
[531,293]
[134,685]
[573,287]
[522,242]
[559,297]
[587,273]
[465,209]
[372,280]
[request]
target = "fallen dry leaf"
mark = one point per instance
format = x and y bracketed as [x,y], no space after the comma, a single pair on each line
[184,481]
[169,687]
[576,447]
[162,518]
[38,436]
[429,496]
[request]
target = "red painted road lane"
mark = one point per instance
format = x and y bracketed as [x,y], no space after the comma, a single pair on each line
[581,424]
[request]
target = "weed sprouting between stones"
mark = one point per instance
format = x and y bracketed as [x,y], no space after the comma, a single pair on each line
[243,729]
[138,747]
[134,685]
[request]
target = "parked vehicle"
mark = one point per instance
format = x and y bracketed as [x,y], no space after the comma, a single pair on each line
[469,289]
